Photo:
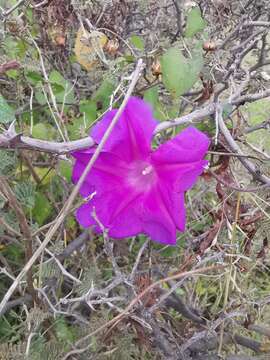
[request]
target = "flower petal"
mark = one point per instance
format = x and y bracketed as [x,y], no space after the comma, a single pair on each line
[180,177]
[86,188]
[189,146]
[115,212]
[83,215]
[175,203]
[103,175]
[131,137]
[157,219]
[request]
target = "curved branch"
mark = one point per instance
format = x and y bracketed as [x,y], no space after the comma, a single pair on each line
[9,139]
[235,148]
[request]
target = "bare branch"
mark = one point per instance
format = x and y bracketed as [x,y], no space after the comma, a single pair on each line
[13,8]
[233,145]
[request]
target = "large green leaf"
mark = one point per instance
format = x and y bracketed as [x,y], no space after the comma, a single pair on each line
[179,73]
[195,22]
[7,114]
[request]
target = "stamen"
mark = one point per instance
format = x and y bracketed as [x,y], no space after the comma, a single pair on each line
[147,170]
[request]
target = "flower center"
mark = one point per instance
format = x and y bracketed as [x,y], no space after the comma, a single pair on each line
[141,176]
[147,170]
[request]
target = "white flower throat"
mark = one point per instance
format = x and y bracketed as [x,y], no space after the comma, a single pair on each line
[147,170]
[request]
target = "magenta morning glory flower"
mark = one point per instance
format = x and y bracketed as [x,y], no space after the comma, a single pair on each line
[138,189]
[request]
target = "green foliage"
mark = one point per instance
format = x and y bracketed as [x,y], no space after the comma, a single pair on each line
[65,169]
[195,22]
[11,219]
[124,349]
[89,108]
[103,94]
[180,73]
[62,89]
[33,77]
[45,350]
[8,162]
[151,96]
[7,114]
[14,253]
[137,41]
[90,278]
[15,48]
[64,332]
[257,112]
[79,126]
[49,270]
[43,208]
[44,131]
[25,193]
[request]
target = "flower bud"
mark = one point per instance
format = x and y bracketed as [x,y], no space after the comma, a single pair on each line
[209,46]
[156,68]
[112,46]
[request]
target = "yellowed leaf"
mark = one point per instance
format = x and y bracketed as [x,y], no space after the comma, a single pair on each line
[89,48]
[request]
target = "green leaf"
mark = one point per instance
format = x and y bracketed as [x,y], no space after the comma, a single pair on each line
[42,210]
[39,96]
[195,22]
[14,49]
[151,96]
[179,73]
[25,194]
[137,41]
[64,332]
[46,174]
[7,114]
[43,131]
[12,74]
[62,88]
[33,77]
[79,127]
[14,253]
[128,59]
[65,169]
[8,162]
[89,108]
[103,93]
